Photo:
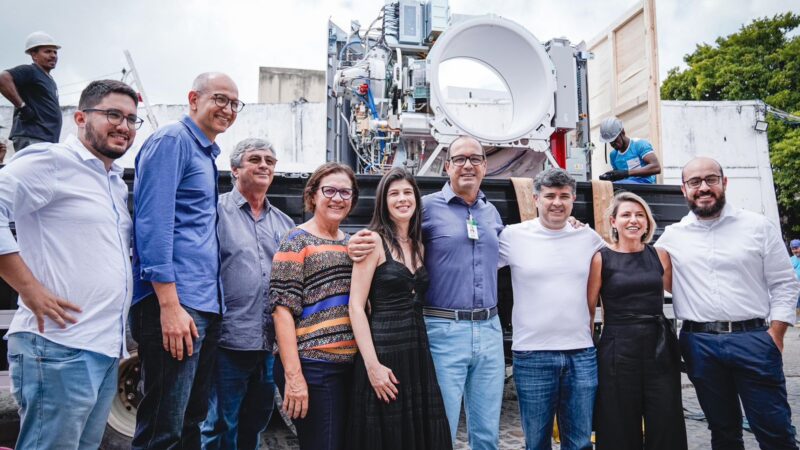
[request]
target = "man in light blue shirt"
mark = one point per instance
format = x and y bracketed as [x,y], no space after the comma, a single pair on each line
[633,160]
[249,230]
[71,267]
[177,302]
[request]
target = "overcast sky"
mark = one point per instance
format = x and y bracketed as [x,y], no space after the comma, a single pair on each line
[172,41]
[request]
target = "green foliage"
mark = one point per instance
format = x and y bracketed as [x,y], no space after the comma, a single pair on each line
[760,61]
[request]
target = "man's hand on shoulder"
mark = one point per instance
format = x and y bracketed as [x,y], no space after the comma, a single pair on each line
[362,244]
[575,223]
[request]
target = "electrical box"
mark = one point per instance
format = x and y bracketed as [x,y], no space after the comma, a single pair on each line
[562,55]
[411,23]
[436,18]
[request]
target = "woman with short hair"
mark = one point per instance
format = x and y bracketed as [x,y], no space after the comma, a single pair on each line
[638,360]
[309,296]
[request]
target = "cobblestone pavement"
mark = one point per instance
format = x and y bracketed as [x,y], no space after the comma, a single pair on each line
[278,438]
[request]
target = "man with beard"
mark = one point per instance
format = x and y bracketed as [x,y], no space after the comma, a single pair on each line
[735,292]
[177,299]
[33,92]
[71,267]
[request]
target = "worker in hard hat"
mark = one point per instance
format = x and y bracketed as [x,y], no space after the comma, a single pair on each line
[633,160]
[33,92]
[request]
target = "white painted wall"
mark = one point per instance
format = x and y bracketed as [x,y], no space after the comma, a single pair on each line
[724,131]
[296,130]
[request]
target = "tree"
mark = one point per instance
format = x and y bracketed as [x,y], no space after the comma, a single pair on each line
[760,61]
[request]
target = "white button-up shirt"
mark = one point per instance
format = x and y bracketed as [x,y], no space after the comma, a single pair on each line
[730,269]
[73,232]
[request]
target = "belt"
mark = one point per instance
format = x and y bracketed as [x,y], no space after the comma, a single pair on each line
[723,327]
[460,314]
[666,351]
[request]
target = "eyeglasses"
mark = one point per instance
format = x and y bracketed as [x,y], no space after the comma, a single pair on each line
[711,180]
[115,117]
[222,101]
[460,160]
[330,192]
[256,159]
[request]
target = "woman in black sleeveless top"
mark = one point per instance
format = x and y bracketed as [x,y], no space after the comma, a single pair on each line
[637,358]
[396,402]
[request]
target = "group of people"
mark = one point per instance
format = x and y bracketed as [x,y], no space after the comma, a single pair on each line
[374,340]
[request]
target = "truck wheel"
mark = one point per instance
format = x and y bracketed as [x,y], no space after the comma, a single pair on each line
[122,419]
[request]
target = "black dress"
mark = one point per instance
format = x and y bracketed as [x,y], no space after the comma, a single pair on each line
[416,419]
[638,360]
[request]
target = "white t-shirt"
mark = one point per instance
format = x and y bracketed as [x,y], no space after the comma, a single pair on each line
[549,275]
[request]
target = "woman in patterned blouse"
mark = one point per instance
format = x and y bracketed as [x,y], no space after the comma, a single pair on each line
[309,297]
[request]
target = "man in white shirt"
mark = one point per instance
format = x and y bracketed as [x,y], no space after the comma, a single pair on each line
[555,366]
[71,266]
[735,292]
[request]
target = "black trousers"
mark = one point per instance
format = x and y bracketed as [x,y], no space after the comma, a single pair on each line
[725,368]
[635,390]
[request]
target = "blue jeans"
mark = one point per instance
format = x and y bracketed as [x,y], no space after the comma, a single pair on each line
[64,394]
[748,366]
[241,400]
[329,386]
[556,382]
[175,399]
[469,362]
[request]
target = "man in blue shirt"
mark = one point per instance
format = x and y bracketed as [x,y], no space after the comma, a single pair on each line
[249,230]
[460,232]
[33,92]
[177,302]
[633,160]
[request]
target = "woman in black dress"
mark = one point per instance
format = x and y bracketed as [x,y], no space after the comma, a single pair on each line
[637,358]
[396,402]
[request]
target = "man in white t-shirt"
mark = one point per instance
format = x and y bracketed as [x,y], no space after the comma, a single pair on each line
[555,366]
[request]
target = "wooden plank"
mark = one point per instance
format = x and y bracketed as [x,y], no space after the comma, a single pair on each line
[602,194]
[623,80]
[523,188]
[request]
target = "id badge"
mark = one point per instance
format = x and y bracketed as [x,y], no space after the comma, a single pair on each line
[472,228]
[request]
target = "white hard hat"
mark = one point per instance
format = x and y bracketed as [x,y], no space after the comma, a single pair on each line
[38,39]
[610,128]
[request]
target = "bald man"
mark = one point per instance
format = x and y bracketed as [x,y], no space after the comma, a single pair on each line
[735,292]
[177,307]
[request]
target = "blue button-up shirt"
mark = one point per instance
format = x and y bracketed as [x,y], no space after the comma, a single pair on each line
[247,246]
[463,271]
[175,216]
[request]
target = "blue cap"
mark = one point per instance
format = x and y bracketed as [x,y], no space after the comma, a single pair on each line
[795,243]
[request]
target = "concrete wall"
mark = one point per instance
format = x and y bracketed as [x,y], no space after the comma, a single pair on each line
[284,85]
[297,130]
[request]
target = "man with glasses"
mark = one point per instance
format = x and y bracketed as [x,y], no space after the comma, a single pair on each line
[735,292]
[249,230]
[177,303]
[460,232]
[71,267]
[34,94]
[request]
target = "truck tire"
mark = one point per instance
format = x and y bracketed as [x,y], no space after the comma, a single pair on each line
[122,418]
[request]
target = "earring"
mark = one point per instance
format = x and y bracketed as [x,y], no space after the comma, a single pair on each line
[614,234]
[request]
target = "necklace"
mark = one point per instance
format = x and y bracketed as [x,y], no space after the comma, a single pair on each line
[402,240]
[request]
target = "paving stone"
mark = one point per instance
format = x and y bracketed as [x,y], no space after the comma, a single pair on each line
[277,436]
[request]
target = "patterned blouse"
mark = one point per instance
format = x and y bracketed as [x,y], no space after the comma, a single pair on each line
[311,277]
